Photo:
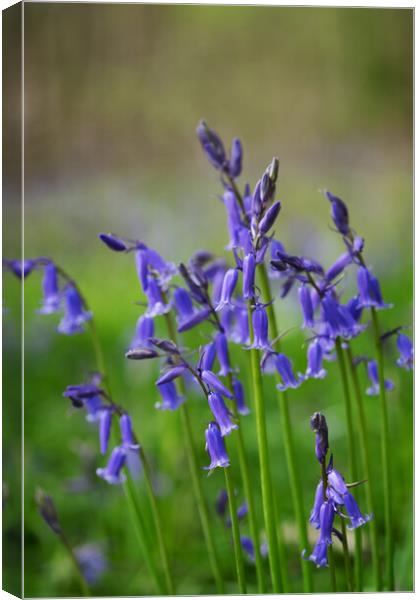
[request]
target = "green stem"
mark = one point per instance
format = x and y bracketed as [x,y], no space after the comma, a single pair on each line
[240,569]
[246,480]
[367,470]
[331,562]
[347,563]
[141,534]
[82,581]
[158,524]
[351,451]
[297,497]
[389,546]
[266,486]
[194,470]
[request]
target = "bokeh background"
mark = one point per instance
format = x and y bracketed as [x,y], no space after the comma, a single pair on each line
[113,94]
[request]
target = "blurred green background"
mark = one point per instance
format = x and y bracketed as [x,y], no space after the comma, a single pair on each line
[113,94]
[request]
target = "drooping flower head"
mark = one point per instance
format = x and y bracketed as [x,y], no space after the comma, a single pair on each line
[229,284]
[260,328]
[374,388]
[221,413]
[112,473]
[306,306]
[285,370]
[215,447]
[315,357]
[51,294]
[75,314]
[170,397]
[319,554]
[145,330]
[405,347]
[369,290]
[20,268]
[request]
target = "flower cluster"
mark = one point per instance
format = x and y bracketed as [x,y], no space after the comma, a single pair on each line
[332,497]
[60,292]
[101,411]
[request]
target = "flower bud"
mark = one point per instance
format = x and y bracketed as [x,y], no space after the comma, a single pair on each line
[113,242]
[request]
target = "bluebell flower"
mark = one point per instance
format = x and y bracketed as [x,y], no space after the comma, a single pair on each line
[338,266]
[141,353]
[217,286]
[245,241]
[212,145]
[196,318]
[372,371]
[183,305]
[339,213]
[214,383]
[269,218]
[235,159]
[126,427]
[92,562]
[112,473]
[130,446]
[338,319]
[315,357]
[240,330]
[306,306]
[105,421]
[354,308]
[262,250]
[156,305]
[113,242]
[247,200]
[234,222]
[140,257]
[74,313]
[93,406]
[51,294]
[256,200]
[221,413]
[163,269]
[260,328]
[326,518]
[369,290]
[248,280]
[223,354]
[238,392]
[171,374]
[285,370]
[248,547]
[21,268]
[145,329]
[229,283]
[318,500]
[340,495]
[222,502]
[79,393]
[241,513]
[170,397]
[405,348]
[207,357]
[319,426]
[215,446]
